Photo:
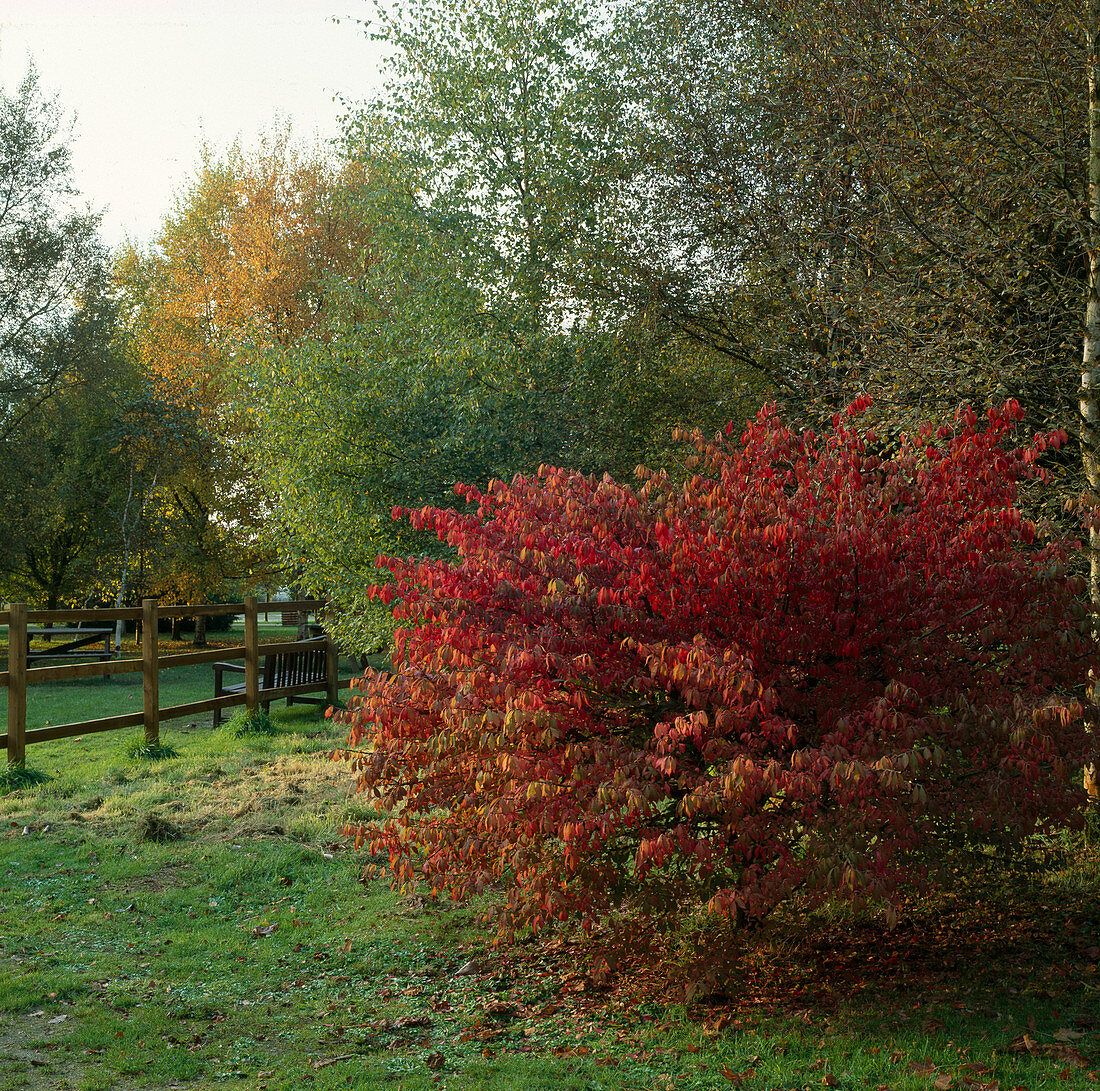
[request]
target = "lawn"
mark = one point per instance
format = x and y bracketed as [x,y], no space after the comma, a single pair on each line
[249,952]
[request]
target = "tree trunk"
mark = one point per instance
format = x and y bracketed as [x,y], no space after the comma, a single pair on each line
[303,616]
[120,598]
[1090,363]
[200,631]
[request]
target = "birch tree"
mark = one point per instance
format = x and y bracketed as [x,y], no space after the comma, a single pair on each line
[241,264]
[1090,364]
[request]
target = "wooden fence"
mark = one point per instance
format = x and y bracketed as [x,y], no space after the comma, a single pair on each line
[18,675]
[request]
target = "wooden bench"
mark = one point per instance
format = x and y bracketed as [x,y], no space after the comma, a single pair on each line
[306,668]
[74,644]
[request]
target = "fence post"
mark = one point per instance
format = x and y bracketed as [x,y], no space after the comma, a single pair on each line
[150,676]
[17,683]
[332,669]
[251,656]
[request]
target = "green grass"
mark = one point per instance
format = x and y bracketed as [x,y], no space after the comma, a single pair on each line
[249,953]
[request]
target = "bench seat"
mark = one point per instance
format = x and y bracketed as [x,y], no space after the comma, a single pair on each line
[307,668]
[75,654]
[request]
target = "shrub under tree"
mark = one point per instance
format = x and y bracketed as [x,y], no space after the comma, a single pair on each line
[801,672]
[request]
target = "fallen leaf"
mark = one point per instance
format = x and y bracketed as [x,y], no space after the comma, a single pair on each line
[1067,1053]
[738,1077]
[973,1068]
[265,929]
[59,1019]
[435,1061]
[347,945]
[922,1068]
[317,1065]
[1067,1035]
[944,1081]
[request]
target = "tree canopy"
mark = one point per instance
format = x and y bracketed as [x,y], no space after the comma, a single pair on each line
[485,335]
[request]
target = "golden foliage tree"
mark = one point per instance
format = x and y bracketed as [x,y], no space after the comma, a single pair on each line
[244,259]
[242,263]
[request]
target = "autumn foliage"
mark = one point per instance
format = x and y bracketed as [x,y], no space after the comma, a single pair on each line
[795,674]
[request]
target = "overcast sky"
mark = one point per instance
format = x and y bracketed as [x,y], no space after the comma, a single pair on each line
[150,80]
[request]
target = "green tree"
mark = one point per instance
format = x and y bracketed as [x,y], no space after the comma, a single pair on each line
[50,254]
[512,140]
[240,265]
[58,472]
[152,441]
[498,323]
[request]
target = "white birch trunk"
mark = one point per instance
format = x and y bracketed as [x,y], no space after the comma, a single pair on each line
[129,529]
[1090,362]
[120,598]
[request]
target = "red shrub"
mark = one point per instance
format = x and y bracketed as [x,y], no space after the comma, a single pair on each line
[795,672]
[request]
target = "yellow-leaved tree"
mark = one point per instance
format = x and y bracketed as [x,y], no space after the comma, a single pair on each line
[243,263]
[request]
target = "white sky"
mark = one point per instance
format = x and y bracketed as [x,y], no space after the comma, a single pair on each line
[149,81]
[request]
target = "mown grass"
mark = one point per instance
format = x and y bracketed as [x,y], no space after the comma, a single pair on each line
[249,953]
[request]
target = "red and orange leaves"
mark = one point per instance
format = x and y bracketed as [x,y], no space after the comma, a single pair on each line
[783,674]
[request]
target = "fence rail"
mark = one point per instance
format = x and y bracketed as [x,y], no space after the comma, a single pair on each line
[19,675]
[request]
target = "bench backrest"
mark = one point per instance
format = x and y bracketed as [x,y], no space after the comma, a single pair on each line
[295,668]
